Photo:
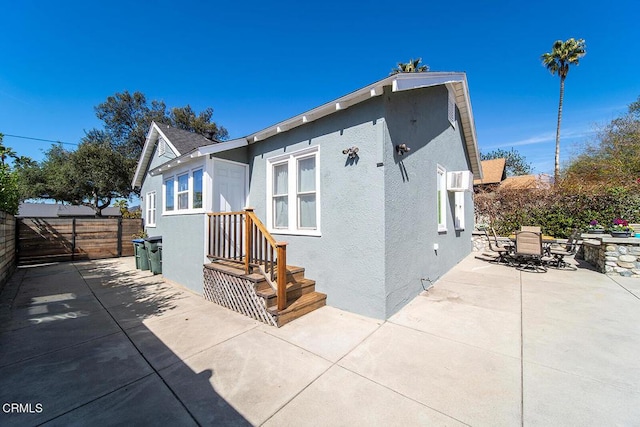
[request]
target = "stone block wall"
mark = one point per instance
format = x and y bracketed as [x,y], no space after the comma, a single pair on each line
[618,259]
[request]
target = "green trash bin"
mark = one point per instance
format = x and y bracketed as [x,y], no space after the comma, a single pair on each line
[142,259]
[153,245]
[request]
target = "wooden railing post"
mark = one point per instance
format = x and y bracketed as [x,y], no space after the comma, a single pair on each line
[248,238]
[282,275]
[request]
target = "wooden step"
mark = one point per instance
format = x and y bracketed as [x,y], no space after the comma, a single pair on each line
[294,291]
[303,305]
[294,273]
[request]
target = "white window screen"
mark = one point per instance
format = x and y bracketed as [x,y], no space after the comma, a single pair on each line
[307,192]
[151,208]
[197,189]
[168,195]
[183,191]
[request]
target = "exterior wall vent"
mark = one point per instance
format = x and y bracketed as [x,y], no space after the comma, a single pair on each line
[162,147]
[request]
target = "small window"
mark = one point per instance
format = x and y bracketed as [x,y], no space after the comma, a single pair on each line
[168,195]
[197,189]
[183,191]
[441,184]
[452,109]
[151,209]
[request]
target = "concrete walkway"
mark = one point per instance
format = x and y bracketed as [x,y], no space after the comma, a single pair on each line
[99,343]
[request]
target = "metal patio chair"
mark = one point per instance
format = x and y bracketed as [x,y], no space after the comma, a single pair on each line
[529,253]
[567,250]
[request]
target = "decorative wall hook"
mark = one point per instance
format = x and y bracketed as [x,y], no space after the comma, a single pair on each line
[352,152]
[402,148]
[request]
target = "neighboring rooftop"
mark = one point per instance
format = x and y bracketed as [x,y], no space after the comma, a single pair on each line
[493,172]
[55,210]
[527,182]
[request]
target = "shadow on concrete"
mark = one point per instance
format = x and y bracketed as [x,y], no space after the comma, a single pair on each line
[66,355]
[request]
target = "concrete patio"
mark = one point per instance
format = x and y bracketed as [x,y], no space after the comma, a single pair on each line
[99,343]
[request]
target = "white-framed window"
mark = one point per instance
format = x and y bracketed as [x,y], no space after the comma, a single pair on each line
[441,184]
[459,210]
[294,193]
[196,198]
[150,201]
[169,195]
[184,192]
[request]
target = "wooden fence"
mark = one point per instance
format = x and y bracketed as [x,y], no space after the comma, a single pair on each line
[7,246]
[70,239]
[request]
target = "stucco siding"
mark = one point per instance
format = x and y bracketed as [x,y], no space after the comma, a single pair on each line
[182,235]
[419,120]
[347,260]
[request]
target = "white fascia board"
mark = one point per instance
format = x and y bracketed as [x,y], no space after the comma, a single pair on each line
[375,89]
[145,157]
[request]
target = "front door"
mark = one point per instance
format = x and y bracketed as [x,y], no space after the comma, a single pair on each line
[229,186]
[229,195]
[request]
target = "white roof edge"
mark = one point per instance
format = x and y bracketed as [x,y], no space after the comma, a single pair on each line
[201,151]
[144,157]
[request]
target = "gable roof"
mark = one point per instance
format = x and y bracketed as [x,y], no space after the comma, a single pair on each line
[184,141]
[455,82]
[523,182]
[493,171]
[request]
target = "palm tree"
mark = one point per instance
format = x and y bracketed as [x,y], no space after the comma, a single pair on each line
[413,66]
[557,61]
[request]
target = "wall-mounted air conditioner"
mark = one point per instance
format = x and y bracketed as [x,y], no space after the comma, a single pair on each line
[460,181]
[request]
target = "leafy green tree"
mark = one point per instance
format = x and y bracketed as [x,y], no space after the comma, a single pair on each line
[613,159]
[515,164]
[127,118]
[9,192]
[92,175]
[413,66]
[562,55]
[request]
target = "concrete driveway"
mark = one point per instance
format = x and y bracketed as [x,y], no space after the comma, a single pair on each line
[99,343]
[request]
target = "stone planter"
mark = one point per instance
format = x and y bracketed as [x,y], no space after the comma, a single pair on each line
[620,233]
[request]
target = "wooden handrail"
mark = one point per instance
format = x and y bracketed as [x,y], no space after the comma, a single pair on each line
[252,245]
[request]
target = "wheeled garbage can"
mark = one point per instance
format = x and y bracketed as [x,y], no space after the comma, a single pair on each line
[153,246]
[140,252]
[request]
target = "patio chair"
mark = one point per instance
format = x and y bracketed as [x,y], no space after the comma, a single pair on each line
[529,253]
[568,249]
[534,228]
[502,249]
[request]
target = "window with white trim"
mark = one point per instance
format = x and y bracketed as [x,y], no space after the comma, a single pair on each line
[184,192]
[150,201]
[294,196]
[169,196]
[441,184]
[196,201]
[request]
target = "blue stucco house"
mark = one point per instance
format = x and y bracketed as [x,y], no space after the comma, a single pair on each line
[372,193]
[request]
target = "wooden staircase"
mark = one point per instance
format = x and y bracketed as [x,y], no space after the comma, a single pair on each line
[256,298]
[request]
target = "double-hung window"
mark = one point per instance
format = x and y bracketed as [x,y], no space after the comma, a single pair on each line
[441,184]
[294,196]
[184,191]
[151,208]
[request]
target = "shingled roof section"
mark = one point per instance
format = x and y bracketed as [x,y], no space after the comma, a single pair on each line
[183,140]
[493,171]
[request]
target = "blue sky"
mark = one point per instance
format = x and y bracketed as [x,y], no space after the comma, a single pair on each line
[256,63]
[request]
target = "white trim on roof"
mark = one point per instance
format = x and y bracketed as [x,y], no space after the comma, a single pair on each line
[147,151]
[199,152]
[455,82]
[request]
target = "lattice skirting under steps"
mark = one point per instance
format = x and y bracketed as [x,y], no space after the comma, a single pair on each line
[237,294]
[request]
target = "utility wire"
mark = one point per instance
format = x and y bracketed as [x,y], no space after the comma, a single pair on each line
[39,139]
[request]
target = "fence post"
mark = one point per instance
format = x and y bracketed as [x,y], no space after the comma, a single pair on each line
[119,237]
[73,239]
